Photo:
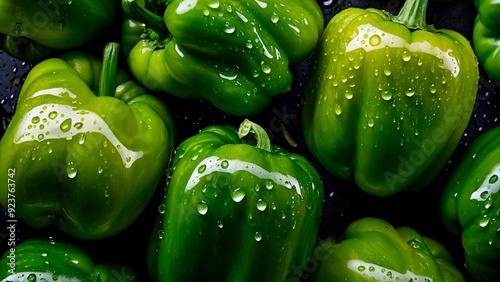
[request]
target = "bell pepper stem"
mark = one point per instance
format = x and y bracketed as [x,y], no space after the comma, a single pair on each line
[413,15]
[142,14]
[247,127]
[107,82]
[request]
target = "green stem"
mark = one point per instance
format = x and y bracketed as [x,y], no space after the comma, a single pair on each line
[413,14]
[140,13]
[263,141]
[107,82]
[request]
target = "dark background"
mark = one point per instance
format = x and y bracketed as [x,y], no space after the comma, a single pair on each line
[344,202]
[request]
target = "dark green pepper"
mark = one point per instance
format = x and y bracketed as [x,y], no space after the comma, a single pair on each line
[471,205]
[486,36]
[388,98]
[46,260]
[86,148]
[235,211]
[371,249]
[34,30]
[235,54]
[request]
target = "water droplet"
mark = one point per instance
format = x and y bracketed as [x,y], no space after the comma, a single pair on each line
[375,40]
[269,184]
[386,95]
[202,208]
[414,244]
[274,18]
[361,268]
[338,109]
[432,88]
[225,164]
[18,29]
[249,44]
[484,221]
[406,56]
[371,123]
[202,168]
[59,24]
[161,208]
[214,5]
[348,95]
[160,234]
[78,125]
[71,171]
[238,194]
[206,12]
[261,205]
[52,115]
[106,193]
[66,125]
[81,139]
[410,92]
[258,236]
[493,179]
[31,277]
[229,29]
[257,188]
[265,68]
[219,224]
[35,120]
[387,72]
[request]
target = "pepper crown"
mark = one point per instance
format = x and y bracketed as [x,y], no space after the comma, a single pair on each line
[263,141]
[156,30]
[413,15]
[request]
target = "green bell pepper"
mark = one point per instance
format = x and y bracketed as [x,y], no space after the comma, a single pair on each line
[371,249]
[388,98]
[36,30]
[235,54]
[235,211]
[86,148]
[486,36]
[39,259]
[471,203]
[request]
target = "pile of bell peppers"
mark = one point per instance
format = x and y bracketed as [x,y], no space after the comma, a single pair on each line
[96,149]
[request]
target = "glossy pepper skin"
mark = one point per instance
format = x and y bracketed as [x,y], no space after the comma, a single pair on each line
[235,211]
[371,249]
[486,36]
[37,259]
[86,148]
[34,30]
[235,54]
[388,98]
[470,205]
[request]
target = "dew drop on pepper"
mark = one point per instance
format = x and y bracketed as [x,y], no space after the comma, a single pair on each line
[261,205]
[238,194]
[258,236]
[202,208]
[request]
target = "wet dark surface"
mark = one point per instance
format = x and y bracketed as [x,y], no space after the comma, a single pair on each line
[344,202]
